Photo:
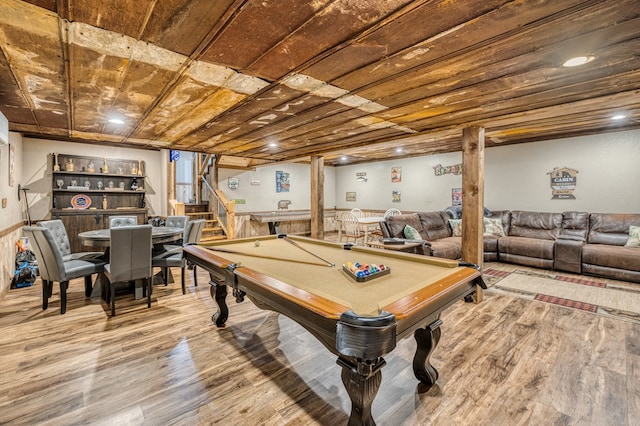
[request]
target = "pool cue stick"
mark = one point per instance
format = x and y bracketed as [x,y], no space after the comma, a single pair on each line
[309,251]
[265,257]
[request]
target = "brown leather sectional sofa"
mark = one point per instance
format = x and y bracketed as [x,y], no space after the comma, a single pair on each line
[579,242]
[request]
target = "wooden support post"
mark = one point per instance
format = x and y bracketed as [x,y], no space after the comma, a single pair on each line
[473,197]
[171,186]
[317,197]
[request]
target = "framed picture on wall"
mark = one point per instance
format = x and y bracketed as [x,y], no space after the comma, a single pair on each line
[456,196]
[351,196]
[282,181]
[396,196]
[396,174]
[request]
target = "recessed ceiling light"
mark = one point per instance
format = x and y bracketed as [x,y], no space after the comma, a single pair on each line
[618,116]
[399,149]
[343,158]
[116,121]
[273,145]
[578,60]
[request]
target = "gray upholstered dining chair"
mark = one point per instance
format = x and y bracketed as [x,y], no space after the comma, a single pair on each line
[129,259]
[61,238]
[172,257]
[116,221]
[53,268]
[176,221]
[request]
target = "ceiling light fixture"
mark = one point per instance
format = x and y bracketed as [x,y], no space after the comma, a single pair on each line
[618,116]
[578,60]
[398,150]
[116,121]
[273,145]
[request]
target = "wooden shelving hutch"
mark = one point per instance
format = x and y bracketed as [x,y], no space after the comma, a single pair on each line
[87,191]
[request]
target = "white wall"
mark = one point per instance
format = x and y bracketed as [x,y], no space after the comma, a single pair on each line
[515,177]
[263,197]
[13,213]
[37,176]
[608,174]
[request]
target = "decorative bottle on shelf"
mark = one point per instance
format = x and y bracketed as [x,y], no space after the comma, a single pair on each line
[105,166]
[104,202]
[91,167]
[56,166]
[134,170]
[70,167]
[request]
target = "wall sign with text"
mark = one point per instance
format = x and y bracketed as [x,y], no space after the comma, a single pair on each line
[563,183]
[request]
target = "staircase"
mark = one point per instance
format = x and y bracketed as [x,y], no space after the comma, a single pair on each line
[212,229]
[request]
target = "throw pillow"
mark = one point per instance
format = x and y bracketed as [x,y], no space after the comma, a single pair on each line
[493,227]
[456,227]
[411,233]
[634,237]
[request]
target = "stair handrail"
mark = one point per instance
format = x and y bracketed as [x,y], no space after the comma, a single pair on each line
[228,218]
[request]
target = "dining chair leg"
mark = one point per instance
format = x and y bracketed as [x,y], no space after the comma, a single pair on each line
[64,285]
[149,283]
[184,285]
[87,286]
[165,275]
[112,297]
[45,294]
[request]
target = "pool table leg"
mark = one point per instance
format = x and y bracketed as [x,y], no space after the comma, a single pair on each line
[362,381]
[219,294]
[427,339]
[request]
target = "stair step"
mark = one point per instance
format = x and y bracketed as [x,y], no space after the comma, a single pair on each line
[213,238]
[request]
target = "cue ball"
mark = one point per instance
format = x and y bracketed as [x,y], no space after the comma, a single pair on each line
[257,244]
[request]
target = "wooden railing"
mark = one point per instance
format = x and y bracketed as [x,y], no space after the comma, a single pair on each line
[177,208]
[223,209]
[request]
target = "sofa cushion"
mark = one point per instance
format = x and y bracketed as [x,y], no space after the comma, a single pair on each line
[575,225]
[435,224]
[493,227]
[411,233]
[448,248]
[396,224]
[489,243]
[504,216]
[456,227]
[611,228]
[611,256]
[535,225]
[634,237]
[527,247]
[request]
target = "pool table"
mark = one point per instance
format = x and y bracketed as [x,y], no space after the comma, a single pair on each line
[359,321]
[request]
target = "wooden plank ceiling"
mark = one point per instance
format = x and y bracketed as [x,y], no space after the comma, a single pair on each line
[275,80]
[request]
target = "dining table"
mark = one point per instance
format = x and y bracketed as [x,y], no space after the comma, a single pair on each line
[101,238]
[366,222]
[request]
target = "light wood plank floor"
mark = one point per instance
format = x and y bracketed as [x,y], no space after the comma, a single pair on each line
[506,361]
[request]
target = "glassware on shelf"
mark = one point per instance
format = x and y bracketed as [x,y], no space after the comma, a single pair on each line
[91,167]
[105,166]
[110,184]
[60,183]
[70,166]
[120,169]
[134,170]
[99,184]
[87,184]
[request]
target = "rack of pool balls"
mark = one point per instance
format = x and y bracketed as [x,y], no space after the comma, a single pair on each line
[363,272]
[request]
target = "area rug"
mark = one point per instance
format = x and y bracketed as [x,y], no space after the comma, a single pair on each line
[596,296]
